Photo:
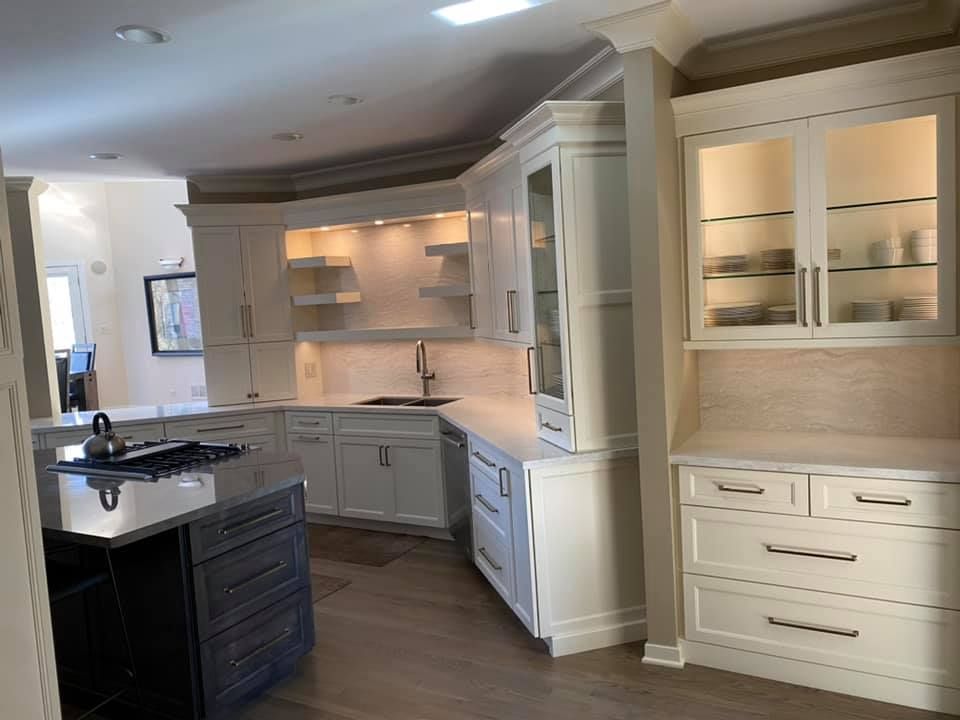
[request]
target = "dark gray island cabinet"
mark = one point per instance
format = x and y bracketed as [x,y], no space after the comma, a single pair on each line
[213,572]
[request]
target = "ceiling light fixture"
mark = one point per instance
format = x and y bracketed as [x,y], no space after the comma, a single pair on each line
[475,11]
[142,35]
[287,136]
[378,222]
[105,156]
[344,99]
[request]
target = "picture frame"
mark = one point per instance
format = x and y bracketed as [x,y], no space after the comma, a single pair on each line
[173,315]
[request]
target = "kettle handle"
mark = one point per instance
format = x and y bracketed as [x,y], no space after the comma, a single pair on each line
[107,425]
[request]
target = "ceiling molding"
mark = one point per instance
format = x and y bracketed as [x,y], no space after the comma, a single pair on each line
[599,73]
[243,183]
[489,165]
[24,184]
[568,115]
[661,26]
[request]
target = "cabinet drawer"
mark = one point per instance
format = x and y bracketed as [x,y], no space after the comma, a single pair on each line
[556,428]
[886,562]
[489,502]
[319,423]
[382,424]
[130,433]
[229,427]
[745,489]
[900,502]
[492,556]
[883,638]
[215,535]
[244,581]
[245,660]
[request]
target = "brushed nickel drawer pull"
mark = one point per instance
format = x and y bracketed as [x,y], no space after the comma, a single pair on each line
[243,322]
[486,503]
[451,439]
[500,481]
[262,649]
[310,422]
[221,429]
[817,312]
[310,438]
[814,628]
[867,499]
[486,556]
[230,590]
[530,387]
[804,552]
[746,489]
[252,522]
[552,428]
[803,297]
[482,458]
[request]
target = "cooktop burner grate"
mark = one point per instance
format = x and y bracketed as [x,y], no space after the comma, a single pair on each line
[150,461]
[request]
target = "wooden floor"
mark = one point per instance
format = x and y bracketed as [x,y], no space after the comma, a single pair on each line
[425,638]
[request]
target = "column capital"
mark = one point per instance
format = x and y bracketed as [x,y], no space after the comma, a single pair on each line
[661,26]
[25,184]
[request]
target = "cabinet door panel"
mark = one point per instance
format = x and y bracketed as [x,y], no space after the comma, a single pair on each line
[227,369]
[365,484]
[267,289]
[317,453]
[525,595]
[503,263]
[524,299]
[273,371]
[479,214]
[417,474]
[219,266]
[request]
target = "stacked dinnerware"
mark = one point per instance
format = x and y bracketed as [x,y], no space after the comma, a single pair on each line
[782,315]
[872,310]
[887,252]
[736,313]
[833,256]
[923,245]
[777,259]
[724,264]
[923,307]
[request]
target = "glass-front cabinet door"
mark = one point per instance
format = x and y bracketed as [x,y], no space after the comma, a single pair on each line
[748,233]
[884,221]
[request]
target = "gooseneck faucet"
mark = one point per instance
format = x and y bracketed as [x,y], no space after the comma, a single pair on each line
[425,375]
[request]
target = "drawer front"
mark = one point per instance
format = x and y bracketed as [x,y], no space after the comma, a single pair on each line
[387,425]
[745,490]
[492,556]
[251,578]
[489,502]
[900,502]
[228,427]
[245,660]
[130,433]
[886,562]
[215,535]
[317,423]
[556,428]
[883,638]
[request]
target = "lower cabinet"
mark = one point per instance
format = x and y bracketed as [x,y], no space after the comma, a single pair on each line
[364,480]
[320,467]
[258,372]
[418,481]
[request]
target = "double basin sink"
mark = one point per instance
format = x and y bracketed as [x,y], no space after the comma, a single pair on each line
[391,401]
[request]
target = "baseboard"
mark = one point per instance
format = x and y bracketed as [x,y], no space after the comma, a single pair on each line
[848,682]
[594,639]
[670,656]
[377,526]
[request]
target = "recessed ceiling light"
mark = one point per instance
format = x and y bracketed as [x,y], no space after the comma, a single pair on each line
[287,136]
[105,156]
[345,99]
[142,35]
[378,222]
[476,11]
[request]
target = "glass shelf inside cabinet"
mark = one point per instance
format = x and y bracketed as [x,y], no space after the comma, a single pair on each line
[869,268]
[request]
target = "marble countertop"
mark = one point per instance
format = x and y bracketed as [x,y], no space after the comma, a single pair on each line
[71,508]
[896,458]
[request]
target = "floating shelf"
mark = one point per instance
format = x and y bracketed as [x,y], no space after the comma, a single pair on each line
[442,291]
[372,334]
[337,298]
[321,261]
[447,249]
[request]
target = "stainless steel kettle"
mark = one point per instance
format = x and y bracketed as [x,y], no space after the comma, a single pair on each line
[104,443]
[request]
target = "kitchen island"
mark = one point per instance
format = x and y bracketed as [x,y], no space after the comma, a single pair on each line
[212,570]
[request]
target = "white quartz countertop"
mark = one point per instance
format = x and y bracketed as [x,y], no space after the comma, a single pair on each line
[509,424]
[896,458]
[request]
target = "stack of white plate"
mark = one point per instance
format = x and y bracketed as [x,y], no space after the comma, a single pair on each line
[872,310]
[724,264]
[887,252]
[923,244]
[833,256]
[919,308]
[782,314]
[777,259]
[737,313]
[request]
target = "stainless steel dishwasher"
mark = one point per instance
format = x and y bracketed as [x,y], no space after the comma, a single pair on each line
[456,478]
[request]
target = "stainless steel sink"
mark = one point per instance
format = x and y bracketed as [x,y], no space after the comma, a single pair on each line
[430,402]
[391,401]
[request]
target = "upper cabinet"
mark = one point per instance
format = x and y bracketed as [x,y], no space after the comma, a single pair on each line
[830,228]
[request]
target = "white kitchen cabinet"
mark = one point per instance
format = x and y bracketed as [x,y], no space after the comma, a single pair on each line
[364,481]
[481,312]
[265,283]
[260,372]
[524,601]
[273,371]
[319,464]
[220,284]
[418,482]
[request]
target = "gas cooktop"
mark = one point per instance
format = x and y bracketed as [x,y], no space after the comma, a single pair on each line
[150,461]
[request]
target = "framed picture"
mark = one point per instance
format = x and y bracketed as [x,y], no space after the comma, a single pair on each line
[173,313]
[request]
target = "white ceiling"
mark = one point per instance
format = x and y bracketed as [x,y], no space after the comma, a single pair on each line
[238,71]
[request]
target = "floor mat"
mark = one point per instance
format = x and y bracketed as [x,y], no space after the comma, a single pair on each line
[360,547]
[322,586]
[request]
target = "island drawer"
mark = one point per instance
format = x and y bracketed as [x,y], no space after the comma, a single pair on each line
[245,660]
[774,492]
[900,502]
[217,534]
[378,424]
[244,581]
[309,423]
[231,428]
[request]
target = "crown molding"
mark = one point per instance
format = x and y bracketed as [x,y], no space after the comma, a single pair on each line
[500,158]
[598,74]
[661,26]
[567,115]
[242,183]
[25,184]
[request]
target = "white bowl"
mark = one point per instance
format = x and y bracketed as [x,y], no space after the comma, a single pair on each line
[886,256]
[924,253]
[894,241]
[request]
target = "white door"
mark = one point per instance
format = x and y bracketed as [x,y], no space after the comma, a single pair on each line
[217,257]
[418,480]
[503,264]
[227,370]
[274,371]
[883,207]
[28,685]
[319,464]
[269,313]
[364,482]
[481,302]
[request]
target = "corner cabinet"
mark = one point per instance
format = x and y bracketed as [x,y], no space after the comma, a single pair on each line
[830,228]
[574,175]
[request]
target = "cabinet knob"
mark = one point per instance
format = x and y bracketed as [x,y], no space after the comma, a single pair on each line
[249,396]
